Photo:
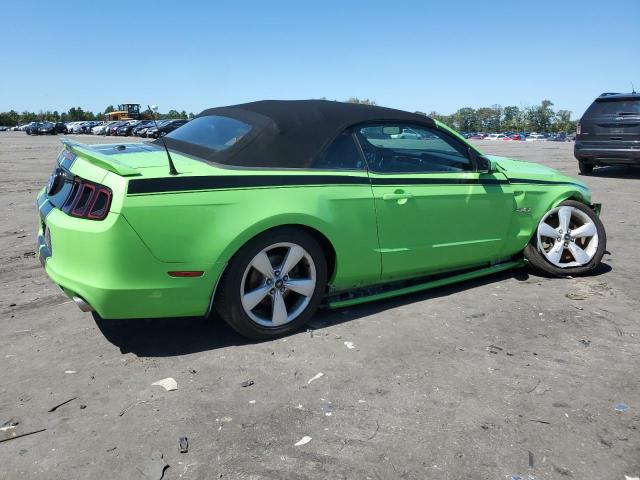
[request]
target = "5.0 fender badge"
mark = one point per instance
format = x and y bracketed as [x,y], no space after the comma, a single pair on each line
[523,210]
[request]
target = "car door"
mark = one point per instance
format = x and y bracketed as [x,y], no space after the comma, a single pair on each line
[435,210]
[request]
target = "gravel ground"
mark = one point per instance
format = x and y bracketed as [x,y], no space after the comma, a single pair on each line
[513,374]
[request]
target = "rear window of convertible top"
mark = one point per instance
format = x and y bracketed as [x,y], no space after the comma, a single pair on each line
[614,107]
[211,132]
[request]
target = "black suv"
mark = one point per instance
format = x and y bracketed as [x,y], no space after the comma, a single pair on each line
[609,132]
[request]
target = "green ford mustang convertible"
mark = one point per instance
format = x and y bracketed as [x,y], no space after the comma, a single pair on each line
[264,211]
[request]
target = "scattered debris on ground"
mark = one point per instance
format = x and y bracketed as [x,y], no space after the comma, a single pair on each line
[303,441]
[315,377]
[576,296]
[621,407]
[126,409]
[14,437]
[53,409]
[184,444]
[169,384]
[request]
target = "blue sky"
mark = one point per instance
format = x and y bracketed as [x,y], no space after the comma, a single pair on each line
[411,55]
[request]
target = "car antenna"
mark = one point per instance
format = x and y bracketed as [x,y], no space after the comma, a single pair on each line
[633,89]
[172,167]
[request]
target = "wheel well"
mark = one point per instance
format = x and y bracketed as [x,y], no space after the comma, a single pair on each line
[322,240]
[576,198]
[325,244]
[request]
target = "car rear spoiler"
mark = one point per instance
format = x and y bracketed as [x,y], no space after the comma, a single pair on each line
[99,159]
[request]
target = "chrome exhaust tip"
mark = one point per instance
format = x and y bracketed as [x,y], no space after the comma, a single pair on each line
[82,304]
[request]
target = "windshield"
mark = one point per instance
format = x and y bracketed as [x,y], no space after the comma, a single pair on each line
[211,132]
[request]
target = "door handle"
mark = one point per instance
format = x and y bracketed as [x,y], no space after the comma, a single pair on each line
[396,196]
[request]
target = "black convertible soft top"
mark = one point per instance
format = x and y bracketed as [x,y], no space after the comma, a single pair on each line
[290,133]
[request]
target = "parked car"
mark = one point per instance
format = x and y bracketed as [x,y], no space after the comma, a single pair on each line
[71,126]
[151,131]
[32,128]
[477,136]
[536,137]
[113,128]
[3,128]
[164,128]
[101,129]
[496,136]
[47,128]
[59,127]
[142,132]
[84,127]
[125,130]
[264,210]
[609,132]
[142,125]
[408,133]
[557,137]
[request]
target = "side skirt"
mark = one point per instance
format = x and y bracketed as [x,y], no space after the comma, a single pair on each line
[396,289]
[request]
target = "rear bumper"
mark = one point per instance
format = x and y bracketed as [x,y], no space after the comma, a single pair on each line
[608,154]
[108,266]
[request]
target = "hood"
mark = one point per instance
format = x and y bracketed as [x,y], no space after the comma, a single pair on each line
[529,171]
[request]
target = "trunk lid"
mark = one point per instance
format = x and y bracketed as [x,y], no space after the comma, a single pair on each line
[135,159]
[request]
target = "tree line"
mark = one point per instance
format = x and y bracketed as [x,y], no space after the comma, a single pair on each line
[74,114]
[534,118]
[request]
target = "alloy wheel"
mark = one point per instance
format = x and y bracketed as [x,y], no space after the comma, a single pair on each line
[278,284]
[567,237]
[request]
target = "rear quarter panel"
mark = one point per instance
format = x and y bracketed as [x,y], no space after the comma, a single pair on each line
[206,226]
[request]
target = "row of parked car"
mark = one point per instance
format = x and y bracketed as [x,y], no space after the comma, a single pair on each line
[528,137]
[124,128]
[139,128]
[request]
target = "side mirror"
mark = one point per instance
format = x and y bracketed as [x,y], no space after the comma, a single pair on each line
[483,164]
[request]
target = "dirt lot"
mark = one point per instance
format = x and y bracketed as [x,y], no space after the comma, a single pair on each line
[509,375]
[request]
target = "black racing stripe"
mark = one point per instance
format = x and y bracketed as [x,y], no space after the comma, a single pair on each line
[437,181]
[526,181]
[186,184]
[183,184]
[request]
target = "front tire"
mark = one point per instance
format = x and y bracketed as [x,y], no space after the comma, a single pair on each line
[569,240]
[273,284]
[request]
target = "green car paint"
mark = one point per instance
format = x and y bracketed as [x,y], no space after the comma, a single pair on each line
[379,227]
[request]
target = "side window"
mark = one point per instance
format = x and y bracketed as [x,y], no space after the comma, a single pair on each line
[342,154]
[397,148]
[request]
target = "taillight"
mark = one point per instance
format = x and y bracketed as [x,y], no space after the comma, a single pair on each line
[88,200]
[578,129]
